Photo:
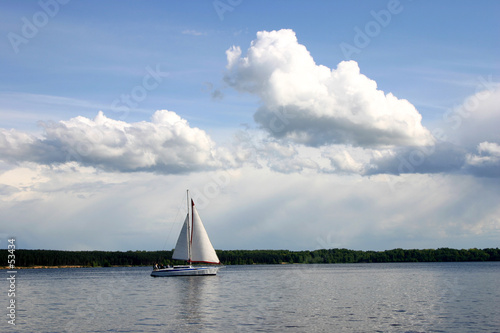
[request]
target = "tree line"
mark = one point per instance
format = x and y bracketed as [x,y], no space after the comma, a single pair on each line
[31,258]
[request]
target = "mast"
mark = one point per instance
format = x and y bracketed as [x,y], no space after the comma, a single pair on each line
[189,224]
[193,245]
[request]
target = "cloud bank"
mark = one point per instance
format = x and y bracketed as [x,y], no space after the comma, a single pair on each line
[486,162]
[315,105]
[167,144]
[468,142]
[314,119]
[355,127]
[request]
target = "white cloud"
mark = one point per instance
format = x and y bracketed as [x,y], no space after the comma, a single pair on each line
[309,210]
[342,160]
[487,160]
[456,149]
[316,105]
[489,155]
[476,119]
[251,147]
[72,207]
[167,144]
[467,142]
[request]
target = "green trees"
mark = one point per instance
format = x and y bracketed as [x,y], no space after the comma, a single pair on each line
[30,258]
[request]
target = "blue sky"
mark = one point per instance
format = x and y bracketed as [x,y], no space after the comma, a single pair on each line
[94,51]
[69,59]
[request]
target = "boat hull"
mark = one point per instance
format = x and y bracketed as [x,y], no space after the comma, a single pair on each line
[185,271]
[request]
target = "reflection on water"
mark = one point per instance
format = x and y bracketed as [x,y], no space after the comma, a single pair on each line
[195,297]
[426,297]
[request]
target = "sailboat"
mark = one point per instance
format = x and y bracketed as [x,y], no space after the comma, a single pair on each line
[193,246]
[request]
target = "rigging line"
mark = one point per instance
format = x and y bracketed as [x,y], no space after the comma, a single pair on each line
[174,222]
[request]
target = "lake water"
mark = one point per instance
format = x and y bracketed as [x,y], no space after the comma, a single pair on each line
[393,297]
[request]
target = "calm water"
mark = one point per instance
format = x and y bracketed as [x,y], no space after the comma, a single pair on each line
[420,297]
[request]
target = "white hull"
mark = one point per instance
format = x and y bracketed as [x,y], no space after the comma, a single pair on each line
[185,271]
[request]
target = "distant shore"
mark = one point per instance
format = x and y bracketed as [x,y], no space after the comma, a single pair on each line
[64,266]
[45,259]
[38,267]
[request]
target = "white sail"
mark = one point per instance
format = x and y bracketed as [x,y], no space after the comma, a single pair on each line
[193,245]
[181,251]
[201,247]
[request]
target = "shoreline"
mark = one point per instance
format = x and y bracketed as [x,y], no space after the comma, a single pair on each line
[283,263]
[62,266]
[41,267]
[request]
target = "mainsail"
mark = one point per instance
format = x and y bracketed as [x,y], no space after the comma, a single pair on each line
[201,247]
[193,244]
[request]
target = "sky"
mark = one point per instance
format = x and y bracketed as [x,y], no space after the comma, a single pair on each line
[367,125]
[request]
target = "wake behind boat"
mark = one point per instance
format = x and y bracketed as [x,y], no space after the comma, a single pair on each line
[193,246]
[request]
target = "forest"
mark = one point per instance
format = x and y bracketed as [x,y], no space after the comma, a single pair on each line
[34,258]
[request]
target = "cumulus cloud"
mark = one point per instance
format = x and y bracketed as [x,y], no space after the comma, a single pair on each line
[444,157]
[344,159]
[251,148]
[476,119]
[487,160]
[467,141]
[345,162]
[490,149]
[167,144]
[315,105]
